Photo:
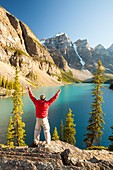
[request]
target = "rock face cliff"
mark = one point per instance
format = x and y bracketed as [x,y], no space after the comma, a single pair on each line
[17,40]
[56,156]
[85,52]
[64,47]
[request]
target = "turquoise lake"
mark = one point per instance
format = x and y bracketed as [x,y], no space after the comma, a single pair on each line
[77,97]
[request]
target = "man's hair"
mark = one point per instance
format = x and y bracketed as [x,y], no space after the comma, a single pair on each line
[42,97]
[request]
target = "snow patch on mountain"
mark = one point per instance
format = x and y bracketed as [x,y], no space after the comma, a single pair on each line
[81,61]
[59,34]
[42,41]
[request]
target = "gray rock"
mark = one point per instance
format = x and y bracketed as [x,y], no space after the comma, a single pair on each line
[56,156]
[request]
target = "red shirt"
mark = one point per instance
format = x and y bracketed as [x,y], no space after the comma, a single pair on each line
[42,106]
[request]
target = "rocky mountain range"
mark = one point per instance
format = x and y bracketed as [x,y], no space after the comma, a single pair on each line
[79,55]
[50,61]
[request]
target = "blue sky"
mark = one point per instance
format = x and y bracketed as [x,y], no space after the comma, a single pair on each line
[79,19]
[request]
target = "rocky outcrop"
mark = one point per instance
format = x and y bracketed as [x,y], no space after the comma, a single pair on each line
[56,156]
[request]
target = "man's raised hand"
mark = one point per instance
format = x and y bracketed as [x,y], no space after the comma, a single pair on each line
[59,91]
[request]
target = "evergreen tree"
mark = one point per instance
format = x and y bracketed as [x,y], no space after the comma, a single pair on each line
[61,131]
[10,134]
[111,139]
[6,91]
[11,85]
[7,87]
[96,116]
[19,137]
[7,84]
[3,82]
[17,113]
[0,81]
[55,134]
[69,129]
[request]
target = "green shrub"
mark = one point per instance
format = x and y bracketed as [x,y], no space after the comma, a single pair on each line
[32,76]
